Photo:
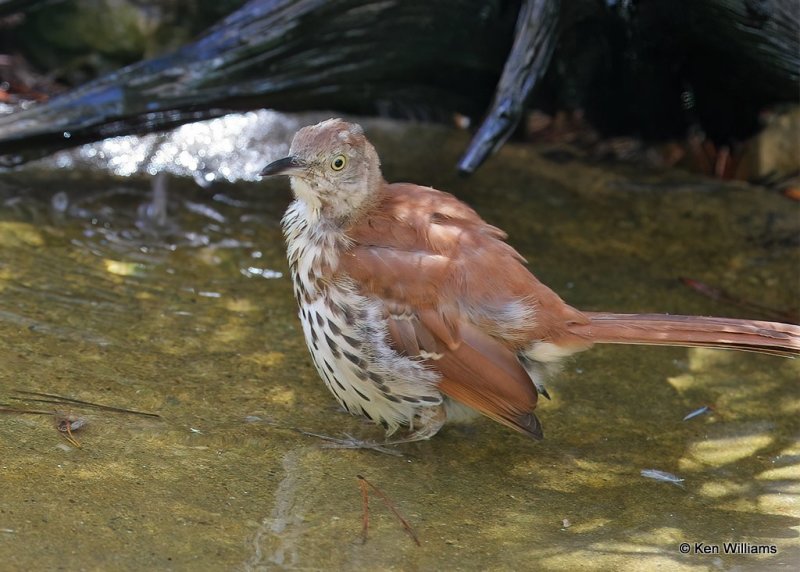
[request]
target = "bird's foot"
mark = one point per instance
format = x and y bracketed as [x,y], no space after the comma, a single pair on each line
[350,442]
[426,424]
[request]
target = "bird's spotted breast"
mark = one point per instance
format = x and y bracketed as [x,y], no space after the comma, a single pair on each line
[347,332]
[358,366]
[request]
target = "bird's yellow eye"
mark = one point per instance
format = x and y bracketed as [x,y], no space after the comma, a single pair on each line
[338,162]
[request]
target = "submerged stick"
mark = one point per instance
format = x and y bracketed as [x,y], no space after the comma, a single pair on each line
[389,505]
[362,484]
[60,400]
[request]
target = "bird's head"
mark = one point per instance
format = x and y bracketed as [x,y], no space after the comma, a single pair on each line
[332,168]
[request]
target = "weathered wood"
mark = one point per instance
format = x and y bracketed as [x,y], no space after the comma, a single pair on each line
[419,59]
[530,55]
[651,69]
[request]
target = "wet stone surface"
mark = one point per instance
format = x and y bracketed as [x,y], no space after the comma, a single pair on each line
[187,312]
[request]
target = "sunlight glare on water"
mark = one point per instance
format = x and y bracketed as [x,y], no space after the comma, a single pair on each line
[230,148]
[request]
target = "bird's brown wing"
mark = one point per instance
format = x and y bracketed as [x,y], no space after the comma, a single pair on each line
[446,278]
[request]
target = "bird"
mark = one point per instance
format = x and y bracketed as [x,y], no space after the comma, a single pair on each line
[417,312]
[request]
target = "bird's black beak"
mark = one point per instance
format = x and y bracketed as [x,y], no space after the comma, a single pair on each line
[286,166]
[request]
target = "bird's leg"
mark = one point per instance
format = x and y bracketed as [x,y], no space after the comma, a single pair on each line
[428,421]
[350,442]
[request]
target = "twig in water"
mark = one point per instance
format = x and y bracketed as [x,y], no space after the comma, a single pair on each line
[363,482]
[6,409]
[58,399]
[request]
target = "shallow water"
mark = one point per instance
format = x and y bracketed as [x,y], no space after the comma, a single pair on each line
[191,316]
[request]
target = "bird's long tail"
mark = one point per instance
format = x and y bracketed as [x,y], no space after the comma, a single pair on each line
[664,329]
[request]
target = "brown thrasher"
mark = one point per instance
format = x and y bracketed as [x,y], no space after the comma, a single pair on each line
[415,311]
